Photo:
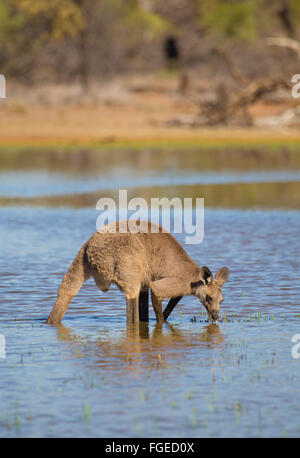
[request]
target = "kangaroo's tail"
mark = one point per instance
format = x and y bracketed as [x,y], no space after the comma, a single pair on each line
[77,274]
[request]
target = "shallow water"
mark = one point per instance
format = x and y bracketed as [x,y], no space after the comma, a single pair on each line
[41,183]
[92,376]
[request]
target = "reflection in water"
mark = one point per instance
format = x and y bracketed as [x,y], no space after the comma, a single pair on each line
[230,195]
[230,178]
[140,344]
[37,184]
[160,160]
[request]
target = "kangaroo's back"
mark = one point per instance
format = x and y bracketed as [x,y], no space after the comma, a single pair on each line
[159,251]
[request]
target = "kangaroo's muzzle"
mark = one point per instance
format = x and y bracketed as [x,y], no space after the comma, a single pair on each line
[214,315]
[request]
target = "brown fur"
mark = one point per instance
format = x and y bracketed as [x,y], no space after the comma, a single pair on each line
[136,262]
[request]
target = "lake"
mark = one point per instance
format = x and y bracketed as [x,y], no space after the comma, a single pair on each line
[92,376]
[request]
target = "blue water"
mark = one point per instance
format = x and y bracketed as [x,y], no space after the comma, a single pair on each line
[43,183]
[92,376]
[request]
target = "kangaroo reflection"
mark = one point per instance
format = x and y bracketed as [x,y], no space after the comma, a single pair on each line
[142,344]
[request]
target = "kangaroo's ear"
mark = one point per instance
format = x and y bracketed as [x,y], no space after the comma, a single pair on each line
[205,275]
[222,275]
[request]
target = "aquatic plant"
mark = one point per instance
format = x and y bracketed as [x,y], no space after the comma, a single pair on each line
[87,413]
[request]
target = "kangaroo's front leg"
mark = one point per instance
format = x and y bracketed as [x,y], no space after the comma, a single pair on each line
[169,287]
[171,305]
[157,307]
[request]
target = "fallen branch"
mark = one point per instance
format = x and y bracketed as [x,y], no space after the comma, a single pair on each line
[285,42]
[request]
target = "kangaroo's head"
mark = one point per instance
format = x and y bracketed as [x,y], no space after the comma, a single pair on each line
[209,290]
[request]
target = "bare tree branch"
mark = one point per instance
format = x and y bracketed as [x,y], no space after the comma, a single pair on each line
[285,42]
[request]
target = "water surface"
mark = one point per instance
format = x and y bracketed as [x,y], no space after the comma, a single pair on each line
[94,377]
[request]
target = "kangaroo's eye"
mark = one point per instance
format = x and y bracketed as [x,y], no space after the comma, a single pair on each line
[208,298]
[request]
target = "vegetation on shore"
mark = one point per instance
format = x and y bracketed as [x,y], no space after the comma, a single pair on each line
[165,140]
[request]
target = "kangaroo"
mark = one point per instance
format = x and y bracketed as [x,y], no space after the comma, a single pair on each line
[135,262]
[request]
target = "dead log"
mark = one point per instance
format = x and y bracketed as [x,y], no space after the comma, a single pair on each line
[231,107]
[285,42]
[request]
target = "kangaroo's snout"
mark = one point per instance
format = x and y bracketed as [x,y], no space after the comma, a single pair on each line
[214,315]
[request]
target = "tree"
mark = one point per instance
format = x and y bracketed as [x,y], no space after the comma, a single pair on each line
[230,18]
[86,39]
[57,19]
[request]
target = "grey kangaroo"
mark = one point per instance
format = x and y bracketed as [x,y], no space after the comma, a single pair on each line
[135,262]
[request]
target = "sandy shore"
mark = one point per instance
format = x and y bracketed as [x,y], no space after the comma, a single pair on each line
[129,114]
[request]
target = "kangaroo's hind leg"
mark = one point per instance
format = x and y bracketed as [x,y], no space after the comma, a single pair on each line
[77,274]
[132,310]
[144,305]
